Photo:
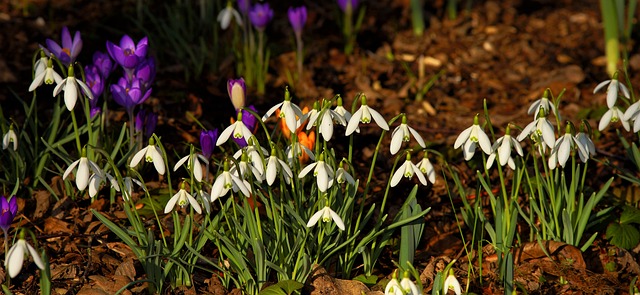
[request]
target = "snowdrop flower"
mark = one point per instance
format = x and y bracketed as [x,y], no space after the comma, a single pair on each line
[182,197]
[72,88]
[128,187]
[613,115]
[612,90]
[541,128]
[427,169]
[451,283]
[542,103]
[471,137]
[225,16]
[583,138]
[325,119]
[274,165]
[393,286]
[194,163]
[151,153]
[85,167]
[343,176]
[97,179]
[403,133]
[227,181]
[10,138]
[238,129]
[46,76]
[245,168]
[563,147]
[327,215]
[288,111]
[408,286]
[364,115]
[407,169]
[502,148]
[322,171]
[340,110]
[15,257]
[41,64]
[255,153]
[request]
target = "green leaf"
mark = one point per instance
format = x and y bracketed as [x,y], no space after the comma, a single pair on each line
[630,215]
[282,288]
[368,280]
[624,236]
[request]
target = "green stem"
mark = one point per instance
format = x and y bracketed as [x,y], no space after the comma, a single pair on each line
[76,132]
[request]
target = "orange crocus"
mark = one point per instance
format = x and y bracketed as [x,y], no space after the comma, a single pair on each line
[307,140]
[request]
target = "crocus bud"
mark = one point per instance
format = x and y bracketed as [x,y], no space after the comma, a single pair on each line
[260,15]
[8,210]
[297,18]
[208,142]
[237,92]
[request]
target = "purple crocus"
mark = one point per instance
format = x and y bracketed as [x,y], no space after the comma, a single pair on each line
[297,18]
[343,4]
[250,121]
[129,94]
[103,62]
[237,92]
[8,210]
[94,111]
[128,54]
[260,15]
[146,121]
[69,50]
[94,80]
[146,71]
[208,140]
[244,6]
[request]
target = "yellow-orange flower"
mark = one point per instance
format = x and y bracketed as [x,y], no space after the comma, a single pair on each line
[307,140]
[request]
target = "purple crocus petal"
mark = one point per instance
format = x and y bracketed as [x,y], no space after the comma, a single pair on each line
[115,52]
[13,206]
[8,210]
[129,61]
[343,4]
[121,96]
[244,6]
[250,120]
[58,52]
[146,71]
[66,38]
[104,63]
[141,48]
[260,15]
[140,118]
[208,142]
[76,46]
[297,18]
[150,124]
[94,80]
[127,43]
[95,110]
[240,141]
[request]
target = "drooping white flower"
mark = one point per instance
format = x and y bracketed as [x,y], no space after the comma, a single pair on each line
[15,257]
[451,283]
[322,171]
[612,90]
[427,169]
[255,154]
[471,137]
[226,181]
[274,165]
[393,286]
[563,147]
[502,148]
[72,89]
[182,197]
[46,76]
[194,164]
[327,215]
[633,114]
[346,115]
[41,64]
[407,169]
[151,153]
[364,115]
[295,150]
[10,138]
[541,128]
[226,14]
[288,110]
[238,129]
[325,120]
[588,145]
[128,187]
[403,133]
[96,180]
[613,115]
[542,103]
[85,168]
[408,286]
[343,176]
[245,168]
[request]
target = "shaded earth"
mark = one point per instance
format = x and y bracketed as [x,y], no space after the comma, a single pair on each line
[507,52]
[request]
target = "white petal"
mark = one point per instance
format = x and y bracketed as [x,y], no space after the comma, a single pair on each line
[612,93]
[66,172]
[270,111]
[396,141]
[158,161]
[490,160]
[242,185]
[420,176]
[326,126]
[379,119]
[306,170]
[602,84]
[180,162]
[85,89]
[353,123]
[15,258]
[194,204]
[36,256]
[197,170]
[37,81]
[272,170]
[483,140]
[224,136]
[624,90]
[397,175]
[58,87]
[605,120]
[82,175]
[462,138]
[70,93]
[417,136]
[172,202]
[336,218]
[564,151]
[314,219]
[218,189]
[138,156]
[527,131]
[468,150]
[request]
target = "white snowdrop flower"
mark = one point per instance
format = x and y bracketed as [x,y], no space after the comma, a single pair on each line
[633,114]
[295,150]
[256,154]
[206,200]
[226,14]
[403,133]
[10,138]
[226,181]
[321,171]
[588,145]
[613,115]
[393,286]
[542,103]
[343,176]
[152,154]
[364,115]
[327,215]
[72,89]
[470,138]
[15,257]
[96,180]
[612,90]
[407,169]
[182,198]
[325,120]
[408,286]
[275,165]
[238,129]
[245,168]
[563,147]
[346,115]
[194,164]
[451,283]
[128,187]
[502,148]
[541,128]
[288,110]
[85,167]
[41,64]
[48,76]
[427,169]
